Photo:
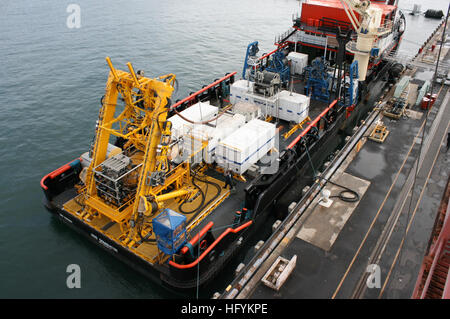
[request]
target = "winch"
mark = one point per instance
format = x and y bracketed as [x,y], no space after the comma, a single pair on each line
[267,83]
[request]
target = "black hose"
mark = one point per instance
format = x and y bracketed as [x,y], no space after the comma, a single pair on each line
[217,186]
[199,207]
[341,196]
[146,239]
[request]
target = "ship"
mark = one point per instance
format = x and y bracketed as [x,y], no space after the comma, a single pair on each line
[433,278]
[176,188]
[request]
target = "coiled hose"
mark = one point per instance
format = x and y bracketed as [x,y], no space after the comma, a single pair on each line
[202,204]
[341,196]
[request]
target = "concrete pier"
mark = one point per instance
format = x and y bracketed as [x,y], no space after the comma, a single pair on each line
[385,233]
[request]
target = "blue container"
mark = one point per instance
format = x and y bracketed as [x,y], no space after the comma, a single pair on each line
[170,230]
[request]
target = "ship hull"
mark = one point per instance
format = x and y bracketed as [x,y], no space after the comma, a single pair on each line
[273,195]
[266,207]
[102,241]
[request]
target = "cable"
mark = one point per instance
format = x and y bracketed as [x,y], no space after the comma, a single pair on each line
[145,239]
[217,186]
[341,195]
[202,194]
[349,199]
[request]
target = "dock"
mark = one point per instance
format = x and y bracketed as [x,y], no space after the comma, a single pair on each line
[371,246]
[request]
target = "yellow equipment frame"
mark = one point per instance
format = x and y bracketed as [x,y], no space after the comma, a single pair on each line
[296,127]
[143,123]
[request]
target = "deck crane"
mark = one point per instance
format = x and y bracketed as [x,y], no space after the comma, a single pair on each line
[368,27]
[252,62]
[143,124]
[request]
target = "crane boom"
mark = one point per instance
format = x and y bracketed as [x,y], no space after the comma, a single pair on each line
[368,28]
[143,125]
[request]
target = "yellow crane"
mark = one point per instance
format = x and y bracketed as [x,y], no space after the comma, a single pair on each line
[143,125]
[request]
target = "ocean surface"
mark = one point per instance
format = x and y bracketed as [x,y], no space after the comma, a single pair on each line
[51,81]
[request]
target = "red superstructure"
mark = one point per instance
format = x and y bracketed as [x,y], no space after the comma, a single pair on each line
[313,11]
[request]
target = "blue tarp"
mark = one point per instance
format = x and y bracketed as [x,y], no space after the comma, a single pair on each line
[170,230]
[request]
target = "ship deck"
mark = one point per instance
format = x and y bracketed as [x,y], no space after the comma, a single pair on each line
[389,226]
[221,209]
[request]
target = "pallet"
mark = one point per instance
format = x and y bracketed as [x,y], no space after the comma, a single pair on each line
[279,272]
[379,133]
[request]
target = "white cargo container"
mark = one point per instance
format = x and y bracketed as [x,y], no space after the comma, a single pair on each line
[224,126]
[298,62]
[246,146]
[293,107]
[239,91]
[199,112]
[193,142]
[267,105]
[249,110]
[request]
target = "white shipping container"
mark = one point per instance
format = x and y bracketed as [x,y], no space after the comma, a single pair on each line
[223,129]
[239,91]
[224,126]
[198,112]
[284,105]
[293,107]
[298,62]
[194,139]
[249,110]
[246,146]
[266,104]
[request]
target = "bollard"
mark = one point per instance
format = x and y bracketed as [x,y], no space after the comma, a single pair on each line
[239,268]
[259,245]
[305,190]
[278,222]
[216,295]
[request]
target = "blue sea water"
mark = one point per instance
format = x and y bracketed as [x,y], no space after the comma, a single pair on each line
[51,81]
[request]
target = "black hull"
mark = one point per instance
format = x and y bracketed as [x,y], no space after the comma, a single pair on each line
[105,243]
[184,280]
[158,274]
